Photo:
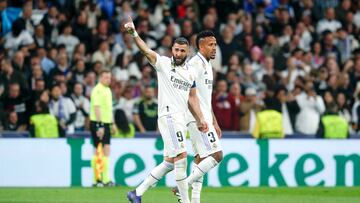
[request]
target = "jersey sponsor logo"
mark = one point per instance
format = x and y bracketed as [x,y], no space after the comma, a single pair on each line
[180,84]
[208,82]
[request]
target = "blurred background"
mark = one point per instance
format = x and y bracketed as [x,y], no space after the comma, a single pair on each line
[298,57]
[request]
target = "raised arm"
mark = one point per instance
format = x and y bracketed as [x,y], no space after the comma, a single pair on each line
[148,53]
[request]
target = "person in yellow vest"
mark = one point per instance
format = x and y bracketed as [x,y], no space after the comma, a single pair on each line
[101,117]
[333,126]
[123,129]
[43,124]
[268,124]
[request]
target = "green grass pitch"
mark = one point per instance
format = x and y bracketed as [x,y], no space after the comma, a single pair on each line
[164,195]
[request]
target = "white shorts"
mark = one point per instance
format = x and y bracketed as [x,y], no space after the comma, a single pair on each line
[173,132]
[204,144]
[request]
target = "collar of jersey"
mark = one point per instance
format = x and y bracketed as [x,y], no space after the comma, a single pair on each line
[205,62]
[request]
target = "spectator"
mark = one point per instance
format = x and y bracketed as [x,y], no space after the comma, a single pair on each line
[269,124]
[333,126]
[81,30]
[293,71]
[43,124]
[82,105]
[235,92]
[63,109]
[62,68]
[68,39]
[13,123]
[89,83]
[145,112]
[248,110]
[80,53]
[41,40]
[224,107]
[285,103]
[329,22]
[227,44]
[342,9]
[78,71]
[317,58]
[16,101]
[103,55]
[18,63]
[343,107]
[346,43]
[47,61]
[329,49]
[17,38]
[329,101]
[25,18]
[120,71]
[311,108]
[126,102]
[37,76]
[51,23]
[124,129]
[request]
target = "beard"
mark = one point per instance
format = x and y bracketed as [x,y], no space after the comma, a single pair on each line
[179,61]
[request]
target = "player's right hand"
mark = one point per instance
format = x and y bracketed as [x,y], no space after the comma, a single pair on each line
[100,133]
[129,26]
[203,126]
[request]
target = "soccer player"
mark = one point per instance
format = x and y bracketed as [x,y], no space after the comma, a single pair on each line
[176,95]
[206,146]
[101,117]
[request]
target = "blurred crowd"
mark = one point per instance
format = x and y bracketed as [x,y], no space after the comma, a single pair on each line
[301,57]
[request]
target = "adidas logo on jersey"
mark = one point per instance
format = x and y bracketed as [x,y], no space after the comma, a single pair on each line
[205,73]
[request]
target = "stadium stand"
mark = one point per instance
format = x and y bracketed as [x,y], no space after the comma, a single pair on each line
[299,57]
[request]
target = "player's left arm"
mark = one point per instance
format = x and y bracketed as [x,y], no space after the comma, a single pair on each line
[216,125]
[194,107]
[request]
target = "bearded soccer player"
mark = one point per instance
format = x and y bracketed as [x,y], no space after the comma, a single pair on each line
[177,93]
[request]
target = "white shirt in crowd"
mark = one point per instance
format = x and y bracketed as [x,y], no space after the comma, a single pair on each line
[307,121]
[326,24]
[294,74]
[62,109]
[288,130]
[13,43]
[127,106]
[174,84]
[80,118]
[70,42]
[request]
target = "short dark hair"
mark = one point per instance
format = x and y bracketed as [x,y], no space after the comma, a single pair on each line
[202,35]
[44,108]
[181,41]
[55,85]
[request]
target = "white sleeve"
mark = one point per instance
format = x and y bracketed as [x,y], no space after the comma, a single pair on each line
[27,38]
[320,106]
[157,64]
[71,106]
